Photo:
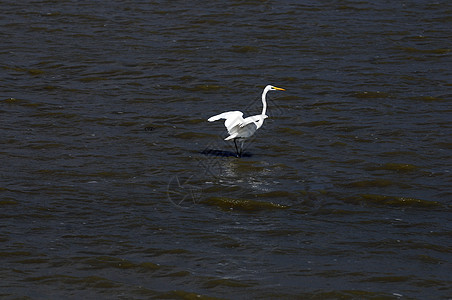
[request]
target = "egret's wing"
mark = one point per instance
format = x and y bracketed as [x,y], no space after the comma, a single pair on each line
[226,115]
[249,120]
[243,132]
[233,118]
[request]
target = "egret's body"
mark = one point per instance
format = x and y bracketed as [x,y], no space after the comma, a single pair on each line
[240,128]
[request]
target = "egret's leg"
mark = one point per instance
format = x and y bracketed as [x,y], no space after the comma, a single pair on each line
[241,147]
[236,149]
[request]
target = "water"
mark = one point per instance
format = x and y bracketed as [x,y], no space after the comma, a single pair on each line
[114,185]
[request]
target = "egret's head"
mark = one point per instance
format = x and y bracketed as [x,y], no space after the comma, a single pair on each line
[274,88]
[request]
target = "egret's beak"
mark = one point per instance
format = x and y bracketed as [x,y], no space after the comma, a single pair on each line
[278,89]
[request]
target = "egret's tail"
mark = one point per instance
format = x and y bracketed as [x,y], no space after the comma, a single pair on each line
[232,136]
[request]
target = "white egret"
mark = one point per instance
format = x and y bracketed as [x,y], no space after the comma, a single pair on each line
[241,129]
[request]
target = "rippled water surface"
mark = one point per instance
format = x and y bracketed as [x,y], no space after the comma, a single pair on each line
[115,186]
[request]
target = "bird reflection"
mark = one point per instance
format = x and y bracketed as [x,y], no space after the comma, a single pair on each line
[224,153]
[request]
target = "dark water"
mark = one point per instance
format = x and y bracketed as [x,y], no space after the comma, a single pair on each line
[114,185]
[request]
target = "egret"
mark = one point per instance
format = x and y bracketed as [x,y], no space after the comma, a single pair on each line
[239,128]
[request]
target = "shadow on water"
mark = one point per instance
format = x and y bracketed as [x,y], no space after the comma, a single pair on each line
[224,153]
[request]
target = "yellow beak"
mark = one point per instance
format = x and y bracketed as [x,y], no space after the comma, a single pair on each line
[278,89]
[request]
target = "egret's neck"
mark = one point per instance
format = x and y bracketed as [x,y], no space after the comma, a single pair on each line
[264,102]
